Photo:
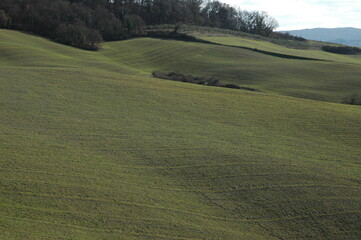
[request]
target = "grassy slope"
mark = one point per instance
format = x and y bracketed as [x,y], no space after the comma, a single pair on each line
[329,80]
[93,149]
[311,52]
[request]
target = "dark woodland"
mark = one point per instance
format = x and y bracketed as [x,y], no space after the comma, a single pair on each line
[86,23]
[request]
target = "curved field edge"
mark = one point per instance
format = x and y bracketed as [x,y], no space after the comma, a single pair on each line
[313,51]
[92,149]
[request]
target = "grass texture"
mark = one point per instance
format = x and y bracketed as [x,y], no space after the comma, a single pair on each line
[93,147]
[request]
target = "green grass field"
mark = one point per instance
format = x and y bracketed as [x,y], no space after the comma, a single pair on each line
[328,80]
[93,147]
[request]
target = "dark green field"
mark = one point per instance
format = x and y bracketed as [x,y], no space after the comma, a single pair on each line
[93,147]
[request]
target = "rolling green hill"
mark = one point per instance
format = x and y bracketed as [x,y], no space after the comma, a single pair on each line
[329,79]
[92,147]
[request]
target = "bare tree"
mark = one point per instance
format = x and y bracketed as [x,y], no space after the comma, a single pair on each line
[4,19]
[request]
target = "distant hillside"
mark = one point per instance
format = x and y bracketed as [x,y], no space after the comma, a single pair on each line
[346,36]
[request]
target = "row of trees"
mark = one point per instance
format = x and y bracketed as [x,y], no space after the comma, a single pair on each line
[85,23]
[217,14]
[342,49]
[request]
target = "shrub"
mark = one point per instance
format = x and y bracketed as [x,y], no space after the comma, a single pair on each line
[207,81]
[287,36]
[77,35]
[354,99]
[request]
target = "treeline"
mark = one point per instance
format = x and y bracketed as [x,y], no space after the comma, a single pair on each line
[86,23]
[342,49]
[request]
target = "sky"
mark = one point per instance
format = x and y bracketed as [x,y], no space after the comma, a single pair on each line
[302,14]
